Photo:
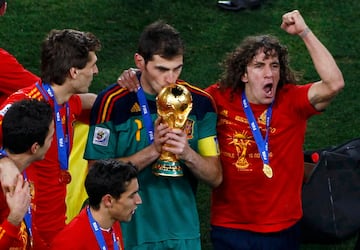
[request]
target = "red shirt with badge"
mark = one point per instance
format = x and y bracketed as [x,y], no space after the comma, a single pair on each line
[248,198]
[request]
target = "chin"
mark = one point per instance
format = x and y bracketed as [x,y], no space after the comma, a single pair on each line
[82,91]
[267,101]
[127,219]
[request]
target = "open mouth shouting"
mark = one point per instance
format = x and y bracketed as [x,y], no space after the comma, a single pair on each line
[269,90]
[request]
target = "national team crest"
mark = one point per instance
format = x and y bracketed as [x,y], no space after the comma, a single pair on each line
[101,136]
[189,128]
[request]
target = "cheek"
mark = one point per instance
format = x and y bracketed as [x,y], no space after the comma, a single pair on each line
[277,75]
[90,75]
[158,78]
[124,208]
[177,73]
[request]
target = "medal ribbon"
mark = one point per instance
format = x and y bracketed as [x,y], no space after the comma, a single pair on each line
[62,139]
[262,143]
[27,217]
[145,112]
[98,234]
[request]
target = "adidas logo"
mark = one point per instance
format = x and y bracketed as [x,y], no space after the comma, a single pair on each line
[135,108]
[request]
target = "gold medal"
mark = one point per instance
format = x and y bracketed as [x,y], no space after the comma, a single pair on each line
[65,177]
[267,171]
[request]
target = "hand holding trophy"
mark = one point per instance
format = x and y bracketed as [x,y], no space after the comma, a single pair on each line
[174,104]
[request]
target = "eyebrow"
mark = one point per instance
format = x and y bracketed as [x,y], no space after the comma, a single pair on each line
[165,68]
[132,194]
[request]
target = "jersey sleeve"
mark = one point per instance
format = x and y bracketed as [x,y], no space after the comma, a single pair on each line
[206,119]
[101,142]
[75,104]
[8,233]
[208,143]
[13,75]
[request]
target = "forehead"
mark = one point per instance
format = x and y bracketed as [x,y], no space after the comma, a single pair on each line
[132,187]
[173,62]
[262,55]
[92,58]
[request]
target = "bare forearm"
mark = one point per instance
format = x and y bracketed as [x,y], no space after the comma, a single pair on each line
[322,92]
[142,158]
[324,62]
[87,100]
[207,169]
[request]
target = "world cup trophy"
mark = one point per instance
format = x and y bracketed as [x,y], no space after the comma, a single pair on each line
[174,104]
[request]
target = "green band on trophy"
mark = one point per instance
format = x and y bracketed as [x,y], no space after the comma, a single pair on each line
[167,168]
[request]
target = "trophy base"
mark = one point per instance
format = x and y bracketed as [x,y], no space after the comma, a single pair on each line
[167,168]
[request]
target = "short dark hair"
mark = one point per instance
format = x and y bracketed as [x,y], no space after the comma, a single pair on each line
[26,122]
[108,177]
[160,38]
[2,2]
[64,49]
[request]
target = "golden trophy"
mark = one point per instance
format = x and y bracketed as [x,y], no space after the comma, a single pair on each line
[174,104]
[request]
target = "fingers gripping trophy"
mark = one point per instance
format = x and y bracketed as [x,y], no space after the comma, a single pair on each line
[174,104]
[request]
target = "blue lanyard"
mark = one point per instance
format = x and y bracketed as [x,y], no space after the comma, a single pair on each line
[27,217]
[62,139]
[145,111]
[98,234]
[262,143]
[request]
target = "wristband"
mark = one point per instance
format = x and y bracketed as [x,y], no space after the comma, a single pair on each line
[3,153]
[304,33]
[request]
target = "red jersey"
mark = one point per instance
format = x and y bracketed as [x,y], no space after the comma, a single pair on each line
[11,237]
[78,234]
[48,203]
[13,76]
[247,199]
